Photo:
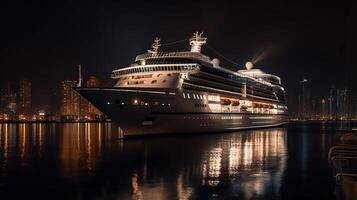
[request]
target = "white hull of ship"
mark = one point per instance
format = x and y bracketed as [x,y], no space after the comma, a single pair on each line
[147,112]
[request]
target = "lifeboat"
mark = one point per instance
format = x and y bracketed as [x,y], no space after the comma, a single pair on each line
[225,102]
[244,107]
[235,103]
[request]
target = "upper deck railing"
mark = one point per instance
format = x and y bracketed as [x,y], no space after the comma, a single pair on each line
[182,54]
[155,68]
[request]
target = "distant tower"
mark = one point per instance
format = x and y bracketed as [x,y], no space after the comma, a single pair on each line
[9,101]
[343,101]
[80,79]
[155,47]
[323,109]
[303,100]
[333,103]
[196,42]
[25,96]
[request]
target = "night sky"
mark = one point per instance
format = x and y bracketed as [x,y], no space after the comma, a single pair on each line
[45,41]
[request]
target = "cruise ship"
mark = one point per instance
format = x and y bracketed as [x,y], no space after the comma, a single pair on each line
[188,92]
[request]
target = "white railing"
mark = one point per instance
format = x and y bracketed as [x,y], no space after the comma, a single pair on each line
[183,54]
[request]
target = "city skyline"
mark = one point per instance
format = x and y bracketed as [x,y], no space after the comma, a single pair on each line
[337,104]
[16,102]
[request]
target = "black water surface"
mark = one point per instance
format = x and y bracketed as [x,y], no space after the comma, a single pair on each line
[88,161]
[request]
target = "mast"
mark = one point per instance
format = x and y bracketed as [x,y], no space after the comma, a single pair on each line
[155,47]
[196,42]
[80,79]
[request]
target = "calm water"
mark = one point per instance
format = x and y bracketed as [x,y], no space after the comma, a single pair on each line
[87,161]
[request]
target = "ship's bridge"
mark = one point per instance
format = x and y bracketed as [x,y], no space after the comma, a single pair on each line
[262,76]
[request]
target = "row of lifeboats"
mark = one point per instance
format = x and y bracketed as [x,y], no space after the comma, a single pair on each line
[235,102]
[262,105]
[227,102]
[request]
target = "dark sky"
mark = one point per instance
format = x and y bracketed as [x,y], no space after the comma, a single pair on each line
[45,41]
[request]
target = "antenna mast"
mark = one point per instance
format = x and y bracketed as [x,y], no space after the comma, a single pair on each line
[196,42]
[155,47]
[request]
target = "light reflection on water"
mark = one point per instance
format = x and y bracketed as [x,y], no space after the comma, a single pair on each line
[87,160]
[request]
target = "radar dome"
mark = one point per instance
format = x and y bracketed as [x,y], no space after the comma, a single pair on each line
[215,61]
[249,65]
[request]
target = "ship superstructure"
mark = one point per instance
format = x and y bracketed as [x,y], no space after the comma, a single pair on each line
[187,92]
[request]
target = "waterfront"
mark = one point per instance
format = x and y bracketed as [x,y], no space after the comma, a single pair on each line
[88,161]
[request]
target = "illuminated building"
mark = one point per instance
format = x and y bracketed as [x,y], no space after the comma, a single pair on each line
[303,100]
[73,105]
[3,101]
[324,109]
[8,103]
[70,100]
[343,102]
[93,82]
[25,97]
[92,111]
[332,104]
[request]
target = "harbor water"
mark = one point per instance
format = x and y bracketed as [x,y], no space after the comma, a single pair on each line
[89,161]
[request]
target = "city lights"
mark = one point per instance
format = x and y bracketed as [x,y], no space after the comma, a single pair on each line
[16,104]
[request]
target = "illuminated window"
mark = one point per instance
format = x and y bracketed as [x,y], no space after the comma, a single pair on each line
[184,96]
[194,96]
[188,96]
